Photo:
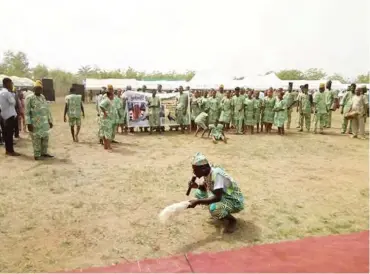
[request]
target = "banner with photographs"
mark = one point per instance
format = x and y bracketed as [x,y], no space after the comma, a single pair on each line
[137,108]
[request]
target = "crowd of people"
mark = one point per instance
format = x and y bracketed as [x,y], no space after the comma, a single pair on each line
[216,112]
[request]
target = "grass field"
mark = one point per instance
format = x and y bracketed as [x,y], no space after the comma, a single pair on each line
[88,207]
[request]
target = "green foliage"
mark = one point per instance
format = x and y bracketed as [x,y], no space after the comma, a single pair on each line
[291,74]
[314,74]
[15,64]
[363,79]
[337,77]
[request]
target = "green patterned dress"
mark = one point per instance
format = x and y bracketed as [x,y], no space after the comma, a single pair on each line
[268,110]
[250,108]
[106,123]
[280,112]
[258,103]
[216,131]
[214,110]
[226,108]
[195,105]
[232,200]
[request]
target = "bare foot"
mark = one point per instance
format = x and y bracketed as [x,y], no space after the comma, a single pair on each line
[76,138]
[231,226]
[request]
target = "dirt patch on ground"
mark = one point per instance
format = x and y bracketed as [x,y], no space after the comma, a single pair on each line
[88,207]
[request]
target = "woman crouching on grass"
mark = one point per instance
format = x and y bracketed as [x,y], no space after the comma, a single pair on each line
[225,197]
[216,131]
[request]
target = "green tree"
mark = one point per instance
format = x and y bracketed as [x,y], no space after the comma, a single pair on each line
[290,74]
[337,77]
[363,78]
[40,71]
[15,64]
[314,74]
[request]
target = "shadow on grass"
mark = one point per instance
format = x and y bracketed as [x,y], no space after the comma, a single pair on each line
[247,232]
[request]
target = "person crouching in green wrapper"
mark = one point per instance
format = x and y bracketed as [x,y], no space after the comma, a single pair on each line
[216,131]
[219,191]
[73,109]
[200,121]
[39,121]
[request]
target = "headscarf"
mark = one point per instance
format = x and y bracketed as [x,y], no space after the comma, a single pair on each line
[199,160]
[221,86]
[110,87]
[322,85]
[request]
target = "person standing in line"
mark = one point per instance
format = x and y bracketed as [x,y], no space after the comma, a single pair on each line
[358,106]
[154,105]
[39,122]
[21,118]
[289,99]
[345,107]
[8,116]
[329,98]
[320,109]
[280,110]
[238,110]
[73,108]
[214,108]
[258,102]
[268,104]
[117,105]
[226,109]
[250,109]
[182,109]
[195,105]
[304,109]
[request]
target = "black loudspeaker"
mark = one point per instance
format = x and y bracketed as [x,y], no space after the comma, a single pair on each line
[79,89]
[290,85]
[48,89]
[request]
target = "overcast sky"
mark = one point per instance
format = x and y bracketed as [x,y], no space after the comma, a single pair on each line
[246,36]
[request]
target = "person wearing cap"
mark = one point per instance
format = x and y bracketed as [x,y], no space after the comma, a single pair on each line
[345,107]
[238,110]
[304,109]
[220,94]
[220,192]
[73,108]
[329,98]
[250,109]
[280,109]
[320,109]
[182,109]
[107,119]
[39,121]
[226,109]
[358,106]
[268,103]
[154,105]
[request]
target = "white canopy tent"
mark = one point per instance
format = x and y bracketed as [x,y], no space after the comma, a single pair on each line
[18,81]
[97,84]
